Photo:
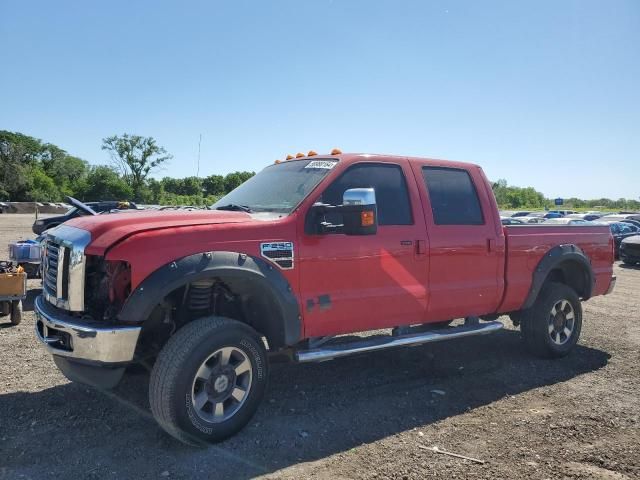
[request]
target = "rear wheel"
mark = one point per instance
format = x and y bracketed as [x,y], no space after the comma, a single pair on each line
[16,312]
[208,380]
[551,327]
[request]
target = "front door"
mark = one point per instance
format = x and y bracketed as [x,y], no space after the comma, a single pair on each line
[357,283]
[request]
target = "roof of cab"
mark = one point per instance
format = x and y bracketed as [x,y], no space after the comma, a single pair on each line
[376,157]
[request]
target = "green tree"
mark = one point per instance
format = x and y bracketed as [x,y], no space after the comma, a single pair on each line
[191,186]
[104,183]
[235,179]
[135,157]
[41,187]
[213,185]
[18,153]
[517,197]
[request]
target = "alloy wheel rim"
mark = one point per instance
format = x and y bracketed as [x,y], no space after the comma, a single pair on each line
[562,321]
[221,384]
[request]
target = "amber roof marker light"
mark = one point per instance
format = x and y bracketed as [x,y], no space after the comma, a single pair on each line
[336,151]
[311,153]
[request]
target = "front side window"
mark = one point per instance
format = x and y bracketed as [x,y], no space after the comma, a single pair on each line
[453,196]
[392,196]
[278,188]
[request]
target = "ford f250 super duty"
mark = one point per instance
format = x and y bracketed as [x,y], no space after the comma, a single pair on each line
[306,250]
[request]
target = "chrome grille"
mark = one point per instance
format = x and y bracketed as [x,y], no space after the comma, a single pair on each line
[63,267]
[50,268]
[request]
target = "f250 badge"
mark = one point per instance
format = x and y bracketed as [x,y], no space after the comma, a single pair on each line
[280,253]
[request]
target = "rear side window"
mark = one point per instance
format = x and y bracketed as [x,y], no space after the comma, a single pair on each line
[392,196]
[454,199]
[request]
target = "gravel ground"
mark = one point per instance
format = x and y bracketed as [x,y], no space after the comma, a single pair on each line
[360,417]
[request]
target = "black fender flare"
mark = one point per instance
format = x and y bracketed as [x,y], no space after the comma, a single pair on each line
[554,258]
[257,275]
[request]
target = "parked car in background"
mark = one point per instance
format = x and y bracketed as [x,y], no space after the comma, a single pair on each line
[511,221]
[589,217]
[552,215]
[620,231]
[618,217]
[562,212]
[79,209]
[635,223]
[630,250]
[532,219]
[523,213]
[566,221]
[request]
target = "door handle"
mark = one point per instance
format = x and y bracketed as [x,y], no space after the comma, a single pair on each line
[421,247]
[490,244]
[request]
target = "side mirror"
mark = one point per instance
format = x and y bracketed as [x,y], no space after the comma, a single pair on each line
[358,210]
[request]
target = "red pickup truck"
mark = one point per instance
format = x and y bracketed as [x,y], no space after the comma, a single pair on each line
[306,250]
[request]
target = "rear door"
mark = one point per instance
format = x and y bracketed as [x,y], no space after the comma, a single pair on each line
[356,283]
[466,241]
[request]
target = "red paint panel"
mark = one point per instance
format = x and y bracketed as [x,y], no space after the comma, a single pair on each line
[527,245]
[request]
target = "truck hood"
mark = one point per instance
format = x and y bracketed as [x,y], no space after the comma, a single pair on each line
[108,229]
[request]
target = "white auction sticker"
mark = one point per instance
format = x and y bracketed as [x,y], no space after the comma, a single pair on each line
[326,164]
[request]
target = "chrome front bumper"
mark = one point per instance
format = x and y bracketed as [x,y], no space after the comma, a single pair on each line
[70,337]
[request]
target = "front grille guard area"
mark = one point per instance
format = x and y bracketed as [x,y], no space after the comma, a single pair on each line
[63,267]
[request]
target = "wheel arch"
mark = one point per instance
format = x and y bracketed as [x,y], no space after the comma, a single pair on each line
[279,317]
[566,264]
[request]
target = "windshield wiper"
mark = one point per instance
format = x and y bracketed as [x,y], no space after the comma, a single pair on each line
[234,207]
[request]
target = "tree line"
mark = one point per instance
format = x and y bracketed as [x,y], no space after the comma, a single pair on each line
[510,197]
[32,170]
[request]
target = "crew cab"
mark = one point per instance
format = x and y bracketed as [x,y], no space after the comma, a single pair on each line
[305,251]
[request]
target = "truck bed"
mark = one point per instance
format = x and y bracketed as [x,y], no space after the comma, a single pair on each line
[527,244]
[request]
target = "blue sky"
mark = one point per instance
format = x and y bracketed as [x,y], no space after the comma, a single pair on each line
[544,94]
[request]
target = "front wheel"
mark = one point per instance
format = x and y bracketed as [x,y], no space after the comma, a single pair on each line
[208,380]
[551,327]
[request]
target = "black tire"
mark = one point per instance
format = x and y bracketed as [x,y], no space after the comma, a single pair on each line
[16,312]
[538,321]
[174,379]
[629,263]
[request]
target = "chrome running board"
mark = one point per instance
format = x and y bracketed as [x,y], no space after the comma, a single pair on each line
[330,352]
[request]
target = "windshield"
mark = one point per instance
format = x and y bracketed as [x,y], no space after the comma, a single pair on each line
[278,188]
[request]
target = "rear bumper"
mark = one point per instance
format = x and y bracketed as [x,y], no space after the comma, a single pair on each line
[73,338]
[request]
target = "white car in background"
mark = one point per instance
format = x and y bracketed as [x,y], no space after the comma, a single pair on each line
[566,221]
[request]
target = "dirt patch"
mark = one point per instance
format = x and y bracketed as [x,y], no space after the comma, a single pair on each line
[360,417]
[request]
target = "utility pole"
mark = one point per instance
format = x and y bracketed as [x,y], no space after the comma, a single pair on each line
[198,169]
